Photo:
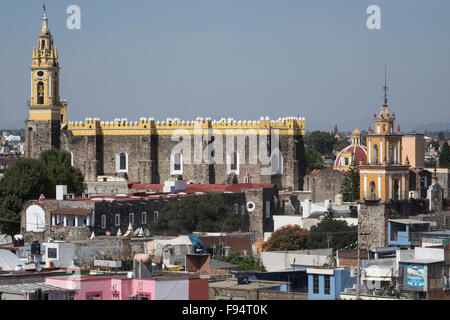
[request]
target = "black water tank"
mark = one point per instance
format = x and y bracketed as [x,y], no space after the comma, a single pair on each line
[35,248]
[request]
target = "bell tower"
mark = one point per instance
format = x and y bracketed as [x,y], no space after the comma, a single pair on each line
[384,176]
[46,112]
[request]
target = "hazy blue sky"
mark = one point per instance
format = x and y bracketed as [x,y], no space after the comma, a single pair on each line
[235,58]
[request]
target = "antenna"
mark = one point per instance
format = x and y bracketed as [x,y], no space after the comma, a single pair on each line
[385,88]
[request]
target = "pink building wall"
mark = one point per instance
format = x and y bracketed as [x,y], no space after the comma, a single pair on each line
[173,289]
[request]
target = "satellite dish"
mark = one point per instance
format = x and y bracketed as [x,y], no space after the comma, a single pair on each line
[108,233]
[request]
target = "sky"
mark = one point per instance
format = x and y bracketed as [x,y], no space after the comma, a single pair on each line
[235,58]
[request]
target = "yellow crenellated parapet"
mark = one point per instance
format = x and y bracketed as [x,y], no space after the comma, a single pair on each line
[200,125]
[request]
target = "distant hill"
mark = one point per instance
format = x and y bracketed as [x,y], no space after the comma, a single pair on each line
[433,127]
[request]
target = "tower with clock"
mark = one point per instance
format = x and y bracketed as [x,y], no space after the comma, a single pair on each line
[47,113]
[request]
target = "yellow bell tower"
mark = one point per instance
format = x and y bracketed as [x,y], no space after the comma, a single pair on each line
[46,111]
[44,100]
[384,177]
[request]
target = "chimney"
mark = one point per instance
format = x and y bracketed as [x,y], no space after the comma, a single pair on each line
[61,190]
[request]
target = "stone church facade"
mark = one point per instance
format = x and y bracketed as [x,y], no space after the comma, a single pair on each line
[202,151]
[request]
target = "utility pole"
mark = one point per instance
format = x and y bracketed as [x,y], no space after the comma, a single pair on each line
[358,276]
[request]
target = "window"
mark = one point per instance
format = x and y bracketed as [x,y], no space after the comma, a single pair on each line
[375,154]
[144,217]
[71,296]
[40,93]
[267,209]
[94,296]
[131,218]
[242,210]
[393,154]
[315,283]
[372,192]
[52,253]
[346,161]
[155,216]
[327,284]
[117,220]
[115,296]
[236,208]
[121,161]
[176,163]
[103,221]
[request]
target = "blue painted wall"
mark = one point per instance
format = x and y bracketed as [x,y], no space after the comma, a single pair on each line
[339,280]
[402,237]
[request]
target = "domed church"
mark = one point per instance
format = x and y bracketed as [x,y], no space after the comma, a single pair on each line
[354,152]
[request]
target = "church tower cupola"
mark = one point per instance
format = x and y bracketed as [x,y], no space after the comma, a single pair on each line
[384,176]
[47,112]
[44,97]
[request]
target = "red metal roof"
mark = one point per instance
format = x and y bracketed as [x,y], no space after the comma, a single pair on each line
[358,152]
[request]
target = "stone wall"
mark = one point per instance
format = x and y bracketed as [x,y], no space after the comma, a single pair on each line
[324,185]
[41,136]
[373,216]
[149,158]
[108,247]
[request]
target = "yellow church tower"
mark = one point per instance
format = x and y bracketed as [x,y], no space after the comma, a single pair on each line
[46,112]
[384,177]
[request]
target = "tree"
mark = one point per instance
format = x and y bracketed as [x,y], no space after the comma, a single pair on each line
[313,161]
[331,233]
[207,212]
[350,185]
[61,172]
[321,142]
[444,157]
[290,237]
[27,179]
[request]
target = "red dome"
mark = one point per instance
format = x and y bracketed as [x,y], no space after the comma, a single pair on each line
[359,153]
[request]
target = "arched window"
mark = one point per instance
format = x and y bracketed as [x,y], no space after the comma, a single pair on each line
[121,161]
[131,218]
[372,191]
[40,92]
[176,163]
[43,43]
[103,221]
[144,217]
[375,154]
[155,216]
[396,189]
[393,154]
